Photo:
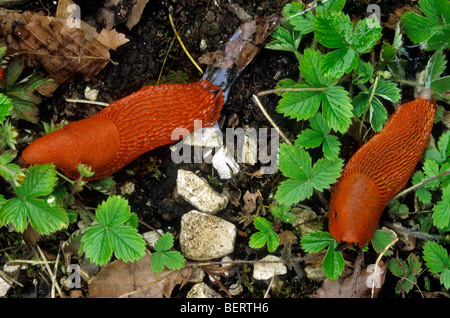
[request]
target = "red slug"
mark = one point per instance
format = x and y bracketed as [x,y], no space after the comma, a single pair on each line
[127,128]
[378,171]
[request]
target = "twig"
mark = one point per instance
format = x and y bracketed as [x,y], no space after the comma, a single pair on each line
[286,140]
[86,101]
[292,89]
[378,261]
[420,184]
[182,44]
[52,276]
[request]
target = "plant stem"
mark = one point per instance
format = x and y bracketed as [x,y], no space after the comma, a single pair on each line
[420,184]
[369,101]
[291,89]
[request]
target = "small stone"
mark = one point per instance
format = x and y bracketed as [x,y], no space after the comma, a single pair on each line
[201,290]
[197,192]
[204,236]
[263,271]
[306,221]
[91,94]
[225,164]
[235,289]
[151,237]
[127,188]
[315,273]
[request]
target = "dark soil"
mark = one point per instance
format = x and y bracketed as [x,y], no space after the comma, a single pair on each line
[139,63]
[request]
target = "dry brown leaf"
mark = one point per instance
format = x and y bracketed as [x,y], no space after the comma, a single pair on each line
[136,13]
[250,201]
[241,49]
[136,280]
[62,49]
[342,287]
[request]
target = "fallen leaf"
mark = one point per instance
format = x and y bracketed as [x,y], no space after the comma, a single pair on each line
[342,287]
[136,13]
[243,47]
[62,48]
[250,201]
[136,280]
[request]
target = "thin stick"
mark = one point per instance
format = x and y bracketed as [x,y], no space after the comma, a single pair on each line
[182,44]
[420,184]
[369,101]
[378,261]
[286,140]
[292,89]
[86,101]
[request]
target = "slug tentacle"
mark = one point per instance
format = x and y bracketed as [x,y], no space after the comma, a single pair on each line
[127,128]
[379,170]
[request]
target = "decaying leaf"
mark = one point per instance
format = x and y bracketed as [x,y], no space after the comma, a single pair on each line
[243,47]
[250,201]
[65,47]
[342,288]
[136,280]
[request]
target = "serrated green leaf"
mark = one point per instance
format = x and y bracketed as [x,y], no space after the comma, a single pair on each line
[284,40]
[164,243]
[126,243]
[364,71]
[437,10]
[258,240]
[5,106]
[377,114]
[418,28]
[441,215]
[293,191]
[431,169]
[273,241]
[113,212]
[325,173]
[333,29]
[282,212]
[337,108]
[309,138]
[171,259]
[435,256]
[333,263]
[40,180]
[14,211]
[441,86]
[380,240]
[340,61]
[300,105]
[301,21]
[336,5]
[96,245]
[294,162]
[331,147]
[310,67]
[435,67]
[387,90]
[262,224]
[366,34]
[44,218]
[316,241]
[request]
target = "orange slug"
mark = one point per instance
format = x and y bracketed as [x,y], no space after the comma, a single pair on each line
[127,128]
[378,171]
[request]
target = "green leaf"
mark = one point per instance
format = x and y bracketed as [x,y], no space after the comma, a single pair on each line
[5,106]
[300,105]
[126,243]
[97,245]
[387,90]
[435,67]
[40,180]
[366,34]
[113,212]
[294,162]
[339,61]
[333,29]
[14,211]
[337,108]
[284,40]
[316,241]
[171,259]
[301,21]
[164,243]
[418,28]
[282,212]
[325,173]
[113,234]
[422,194]
[265,234]
[441,215]
[440,87]
[44,218]
[311,69]
[436,257]
[333,263]
[380,240]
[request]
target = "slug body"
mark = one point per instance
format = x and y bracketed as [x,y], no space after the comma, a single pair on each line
[377,171]
[127,128]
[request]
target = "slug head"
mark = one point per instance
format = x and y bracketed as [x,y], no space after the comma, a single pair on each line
[94,141]
[355,208]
